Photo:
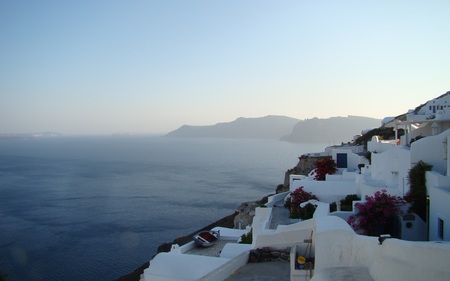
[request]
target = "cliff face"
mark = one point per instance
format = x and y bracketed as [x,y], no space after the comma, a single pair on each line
[304,166]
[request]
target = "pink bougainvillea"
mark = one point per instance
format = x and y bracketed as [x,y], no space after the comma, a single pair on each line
[297,197]
[375,212]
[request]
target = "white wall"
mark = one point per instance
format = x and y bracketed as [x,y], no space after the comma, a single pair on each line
[333,239]
[344,175]
[392,167]
[405,261]
[338,246]
[261,220]
[431,151]
[284,236]
[438,187]
[379,146]
[352,159]
[174,267]
[327,191]
[274,199]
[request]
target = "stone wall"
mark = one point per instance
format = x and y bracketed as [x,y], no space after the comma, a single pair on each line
[267,254]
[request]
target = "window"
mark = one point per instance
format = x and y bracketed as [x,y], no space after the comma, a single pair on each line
[440,228]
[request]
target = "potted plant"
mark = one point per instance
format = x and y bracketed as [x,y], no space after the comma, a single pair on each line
[375,216]
[247,238]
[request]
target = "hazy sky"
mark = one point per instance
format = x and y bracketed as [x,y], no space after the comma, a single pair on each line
[83,67]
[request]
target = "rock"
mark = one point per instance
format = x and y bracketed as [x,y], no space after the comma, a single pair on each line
[280,188]
[246,212]
[305,165]
[254,256]
[268,255]
[275,255]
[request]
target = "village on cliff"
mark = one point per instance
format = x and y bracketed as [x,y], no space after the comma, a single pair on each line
[373,209]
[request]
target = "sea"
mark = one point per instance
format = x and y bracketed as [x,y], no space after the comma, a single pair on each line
[96,208]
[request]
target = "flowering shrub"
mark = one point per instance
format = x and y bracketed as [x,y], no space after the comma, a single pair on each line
[297,197]
[323,167]
[375,212]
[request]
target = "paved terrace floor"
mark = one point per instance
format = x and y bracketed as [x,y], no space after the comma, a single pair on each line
[263,271]
[280,215]
[213,251]
[267,271]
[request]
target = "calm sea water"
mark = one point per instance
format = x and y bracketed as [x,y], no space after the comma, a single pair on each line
[95,208]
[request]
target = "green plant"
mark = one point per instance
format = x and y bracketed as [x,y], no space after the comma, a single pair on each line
[384,133]
[333,207]
[294,213]
[347,202]
[417,194]
[307,211]
[247,238]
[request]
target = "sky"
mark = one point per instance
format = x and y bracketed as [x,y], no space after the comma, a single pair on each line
[108,66]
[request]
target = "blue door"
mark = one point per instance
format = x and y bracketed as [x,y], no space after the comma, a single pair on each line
[341,160]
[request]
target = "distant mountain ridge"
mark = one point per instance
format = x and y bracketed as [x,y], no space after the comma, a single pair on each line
[335,129]
[272,127]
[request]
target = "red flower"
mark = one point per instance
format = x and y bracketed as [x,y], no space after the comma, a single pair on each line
[323,167]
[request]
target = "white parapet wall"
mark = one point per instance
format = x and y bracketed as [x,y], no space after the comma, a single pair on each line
[261,220]
[284,236]
[326,191]
[174,267]
[276,199]
[228,268]
[338,246]
[404,261]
